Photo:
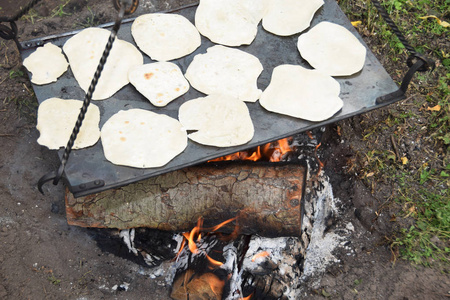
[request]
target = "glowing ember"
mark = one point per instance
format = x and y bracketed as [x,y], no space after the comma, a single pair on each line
[321,164]
[260,254]
[273,152]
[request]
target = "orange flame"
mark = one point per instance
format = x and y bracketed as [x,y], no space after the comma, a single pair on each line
[192,235]
[195,235]
[321,164]
[181,247]
[217,227]
[280,148]
[260,254]
[214,263]
[248,297]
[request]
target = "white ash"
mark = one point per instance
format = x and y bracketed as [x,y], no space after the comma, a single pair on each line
[321,245]
[121,287]
[179,238]
[230,264]
[127,236]
[185,257]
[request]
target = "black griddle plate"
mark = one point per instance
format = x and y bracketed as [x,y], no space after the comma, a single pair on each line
[86,166]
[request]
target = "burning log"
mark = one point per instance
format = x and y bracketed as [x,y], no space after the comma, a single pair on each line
[249,267]
[202,287]
[266,198]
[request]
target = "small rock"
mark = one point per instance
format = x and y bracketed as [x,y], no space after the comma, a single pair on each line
[55,208]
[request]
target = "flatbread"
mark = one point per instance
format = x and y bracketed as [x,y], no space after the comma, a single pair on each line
[230,22]
[46,64]
[220,120]
[56,120]
[84,51]
[142,139]
[288,17]
[159,82]
[165,37]
[332,49]
[224,70]
[301,93]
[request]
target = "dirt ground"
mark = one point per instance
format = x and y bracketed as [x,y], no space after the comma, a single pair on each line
[43,258]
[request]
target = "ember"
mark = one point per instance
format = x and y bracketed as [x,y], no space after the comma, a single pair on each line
[273,152]
[198,282]
[260,254]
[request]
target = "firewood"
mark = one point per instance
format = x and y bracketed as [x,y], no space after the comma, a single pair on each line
[265,198]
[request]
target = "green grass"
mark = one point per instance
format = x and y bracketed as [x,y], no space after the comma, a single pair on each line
[90,21]
[426,242]
[15,73]
[32,16]
[59,10]
[422,187]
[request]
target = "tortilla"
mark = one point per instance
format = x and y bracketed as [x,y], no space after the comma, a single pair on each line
[301,93]
[142,139]
[230,22]
[165,37]
[219,120]
[224,70]
[159,82]
[84,51]
[56,120]
[332,49]
[288,17]
[46,64]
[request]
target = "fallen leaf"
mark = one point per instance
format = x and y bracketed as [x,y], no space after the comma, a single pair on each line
[440,22]
[434,108]
[404,160]
[356,23]
[325,294]
[370,174]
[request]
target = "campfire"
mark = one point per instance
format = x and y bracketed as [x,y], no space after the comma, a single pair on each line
[213,265]
[241,231]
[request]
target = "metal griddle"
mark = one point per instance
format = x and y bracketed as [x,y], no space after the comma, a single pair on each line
[87,171]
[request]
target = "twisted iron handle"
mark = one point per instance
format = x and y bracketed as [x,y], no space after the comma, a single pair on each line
[56,176]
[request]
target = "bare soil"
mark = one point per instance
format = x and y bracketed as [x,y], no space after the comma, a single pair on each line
[43,258]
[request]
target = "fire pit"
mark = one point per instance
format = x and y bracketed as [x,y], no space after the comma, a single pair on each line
[268,242]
